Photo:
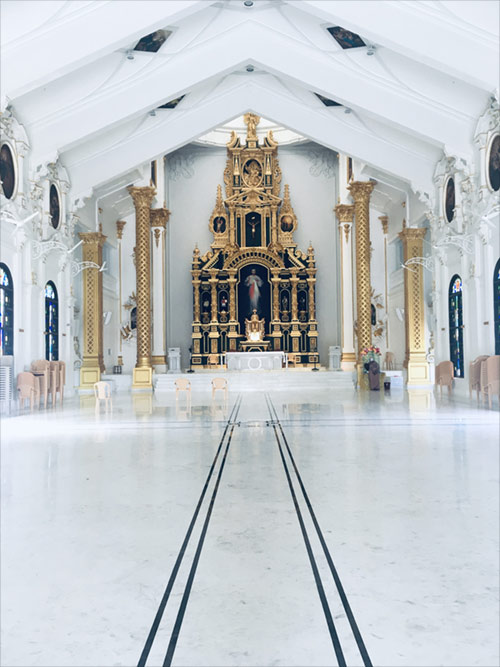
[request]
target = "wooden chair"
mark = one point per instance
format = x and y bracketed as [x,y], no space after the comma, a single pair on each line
[475,375]
[62,378]
[182,384]
[490,377]
[219,384]
[293,359]
[213,360]
[28,389]
[444,375]
[41,368]
[389,361]
[102,392]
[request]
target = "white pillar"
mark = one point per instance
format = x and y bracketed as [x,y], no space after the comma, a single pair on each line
[345,213]
[159,218]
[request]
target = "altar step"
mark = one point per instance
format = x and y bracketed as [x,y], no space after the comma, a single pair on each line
[258,380]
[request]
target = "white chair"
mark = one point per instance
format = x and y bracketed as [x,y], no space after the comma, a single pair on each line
[28,389]
[182,384]
[444,375]
[219,384]
[490,377]
[102,392]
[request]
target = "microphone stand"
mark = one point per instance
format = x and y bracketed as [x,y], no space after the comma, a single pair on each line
[315,360]
[190,369]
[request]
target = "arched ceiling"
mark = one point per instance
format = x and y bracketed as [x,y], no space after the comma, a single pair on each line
[69,76]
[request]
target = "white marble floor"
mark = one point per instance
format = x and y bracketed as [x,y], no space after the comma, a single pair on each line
[95,509]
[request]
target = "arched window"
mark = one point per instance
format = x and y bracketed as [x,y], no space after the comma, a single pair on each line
[456,326]
[6,311]
[496,306]
[51,322]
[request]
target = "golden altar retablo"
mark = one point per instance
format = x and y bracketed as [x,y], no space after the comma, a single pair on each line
[254,268]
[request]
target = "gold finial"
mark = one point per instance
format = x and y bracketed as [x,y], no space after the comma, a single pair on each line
[251,121]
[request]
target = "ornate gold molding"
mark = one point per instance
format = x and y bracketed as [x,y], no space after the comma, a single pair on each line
[142,197]
[344,212]
[159,217]
[120,224]
[361,191]
[384,220]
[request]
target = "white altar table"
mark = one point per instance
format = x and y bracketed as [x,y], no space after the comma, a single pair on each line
[255,361]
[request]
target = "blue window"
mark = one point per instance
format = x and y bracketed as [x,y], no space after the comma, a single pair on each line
[496,306]
[6,311]
[51,322]
[456,326]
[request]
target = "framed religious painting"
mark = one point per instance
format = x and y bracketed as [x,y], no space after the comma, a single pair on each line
[449,199]
[493,163]
[7,171]
[54,206]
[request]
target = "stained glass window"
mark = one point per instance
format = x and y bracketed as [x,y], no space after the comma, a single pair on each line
[6,312]
[51,322]
[496,306]
[456,320]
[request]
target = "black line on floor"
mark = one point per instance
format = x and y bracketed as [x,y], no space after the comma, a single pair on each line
[350,616]
[319,585]
[163,603]
[189,584]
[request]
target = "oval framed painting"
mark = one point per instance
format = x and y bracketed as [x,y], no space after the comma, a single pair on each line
[8,171]
[54,206]
[449,199]
[493,163]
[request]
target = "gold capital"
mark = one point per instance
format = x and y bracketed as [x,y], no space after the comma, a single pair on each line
[120,224]
[344,212]
[159,217]
[384,219]
[142,196]
[361,190]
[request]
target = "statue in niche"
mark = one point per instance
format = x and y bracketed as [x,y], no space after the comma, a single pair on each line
[252,173]
[219,225]
[284,303]
[287,223]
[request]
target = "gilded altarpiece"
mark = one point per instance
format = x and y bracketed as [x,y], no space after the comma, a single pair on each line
[253,266]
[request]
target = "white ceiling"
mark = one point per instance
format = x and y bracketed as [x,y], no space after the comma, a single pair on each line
[66,75]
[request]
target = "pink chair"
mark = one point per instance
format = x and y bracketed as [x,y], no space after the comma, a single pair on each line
[27,389]
[444,375]
[219,384]
[182,384]
[475,375]
[41,368]
[490,377]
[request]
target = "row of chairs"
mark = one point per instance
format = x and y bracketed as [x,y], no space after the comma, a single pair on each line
[43,379]
[484,376]
[183,384]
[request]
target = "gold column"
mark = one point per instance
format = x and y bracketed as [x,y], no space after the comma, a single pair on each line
[232,296]
[120,224]
[361,191]
[92,362]
[345,216]
[295,333]
[275,280]
[213,292]
[143,371]
[384,219]
[159,219]
[418,367]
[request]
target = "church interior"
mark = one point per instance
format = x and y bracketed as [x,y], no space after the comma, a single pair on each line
[249,333]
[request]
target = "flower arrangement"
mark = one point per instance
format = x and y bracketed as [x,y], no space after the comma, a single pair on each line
[373,349]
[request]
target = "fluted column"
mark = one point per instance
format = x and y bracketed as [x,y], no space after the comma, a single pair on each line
[159,219]
[92,362]
[120,224]
[361,191]
[345,215]
[418,367]
[143,371]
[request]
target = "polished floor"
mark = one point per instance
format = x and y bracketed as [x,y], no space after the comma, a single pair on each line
[300,523]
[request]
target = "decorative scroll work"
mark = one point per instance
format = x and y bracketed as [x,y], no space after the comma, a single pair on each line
[253,268]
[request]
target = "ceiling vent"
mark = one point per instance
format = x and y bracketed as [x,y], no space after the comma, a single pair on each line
[327,102]
[346,38]
[153,42]
[173,103]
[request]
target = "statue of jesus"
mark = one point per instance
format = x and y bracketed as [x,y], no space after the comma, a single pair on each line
[254,283]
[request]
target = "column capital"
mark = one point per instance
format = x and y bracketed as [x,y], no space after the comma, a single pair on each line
[361,189]
[344,212]
[120,224]
[412,233]
[384,219]
[142,196]
[92,238]
[159,217]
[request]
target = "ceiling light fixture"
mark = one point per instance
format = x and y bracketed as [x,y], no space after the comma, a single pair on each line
[250,68]
[347,110]
[248,3]
[130,55]
[371,50]
[152,112]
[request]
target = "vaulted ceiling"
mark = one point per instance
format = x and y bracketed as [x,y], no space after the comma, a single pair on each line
[72,77]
